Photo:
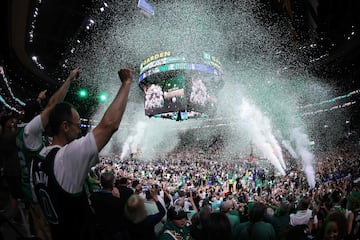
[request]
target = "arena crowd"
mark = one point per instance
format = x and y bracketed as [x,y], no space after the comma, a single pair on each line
[188,193]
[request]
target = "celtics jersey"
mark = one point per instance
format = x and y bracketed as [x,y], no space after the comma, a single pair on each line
[43,183]
[66,212]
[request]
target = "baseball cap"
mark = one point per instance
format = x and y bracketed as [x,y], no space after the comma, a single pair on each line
[176,213]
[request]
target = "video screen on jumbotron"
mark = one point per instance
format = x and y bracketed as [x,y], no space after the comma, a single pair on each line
[165,94]
[180,84]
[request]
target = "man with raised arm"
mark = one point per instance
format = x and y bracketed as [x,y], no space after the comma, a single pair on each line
[60,170]
[34,129]
[29,142]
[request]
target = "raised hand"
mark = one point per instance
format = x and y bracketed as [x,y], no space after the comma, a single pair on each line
[74,73]
[125,75]
[42,95]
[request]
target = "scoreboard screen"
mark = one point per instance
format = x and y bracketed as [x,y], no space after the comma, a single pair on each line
[180,87]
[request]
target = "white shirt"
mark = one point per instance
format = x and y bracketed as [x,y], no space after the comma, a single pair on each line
[33,134]
[72,162]
[300,217]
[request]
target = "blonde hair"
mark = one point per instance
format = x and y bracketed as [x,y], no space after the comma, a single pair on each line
[135,209]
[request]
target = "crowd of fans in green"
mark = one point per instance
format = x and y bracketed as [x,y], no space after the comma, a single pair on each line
[66,191]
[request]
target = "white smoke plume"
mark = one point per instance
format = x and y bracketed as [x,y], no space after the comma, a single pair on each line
[290,149]
[125,152]
[259,129]
[302,144]
[133,142]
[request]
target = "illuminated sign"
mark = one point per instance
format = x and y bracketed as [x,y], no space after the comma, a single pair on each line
[208,57]
[155,57]
[163,58]
[180,66]
[212,60]
[161,61]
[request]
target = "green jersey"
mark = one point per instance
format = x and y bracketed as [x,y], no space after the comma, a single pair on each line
[27,149]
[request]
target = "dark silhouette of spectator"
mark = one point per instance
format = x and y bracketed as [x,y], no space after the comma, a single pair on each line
[199,220]
[9,156]
[257,228]
[334,226]
[108,207]
[217,227]
[123,185]
[225,208]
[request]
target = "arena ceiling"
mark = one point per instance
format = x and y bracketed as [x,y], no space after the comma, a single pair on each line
[334,24]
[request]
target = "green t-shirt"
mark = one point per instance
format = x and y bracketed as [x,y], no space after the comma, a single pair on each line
[258,231]
[234,223]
